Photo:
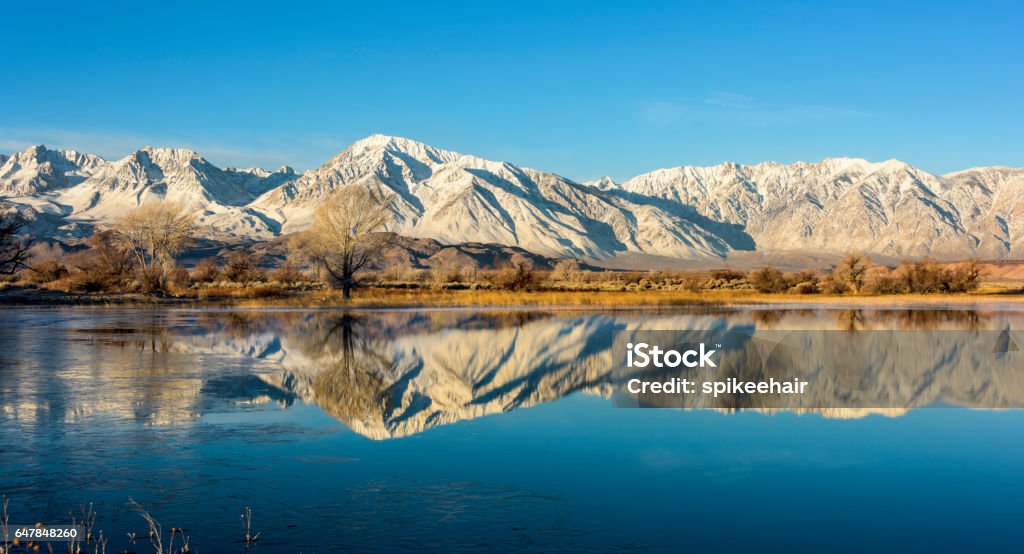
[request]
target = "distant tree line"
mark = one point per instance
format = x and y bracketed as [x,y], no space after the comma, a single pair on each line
[855,275]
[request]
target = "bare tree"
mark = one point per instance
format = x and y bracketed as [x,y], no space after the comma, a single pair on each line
[568,271]
[14,251]
[852,270]
[154,234]
[348,234]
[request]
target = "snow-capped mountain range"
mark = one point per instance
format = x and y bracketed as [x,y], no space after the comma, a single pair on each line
[826,208]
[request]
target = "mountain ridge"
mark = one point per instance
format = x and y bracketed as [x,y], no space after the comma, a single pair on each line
[839,204]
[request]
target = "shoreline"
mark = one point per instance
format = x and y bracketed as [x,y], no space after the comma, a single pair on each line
[373,298]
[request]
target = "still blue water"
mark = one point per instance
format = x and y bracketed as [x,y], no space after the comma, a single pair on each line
[494,432]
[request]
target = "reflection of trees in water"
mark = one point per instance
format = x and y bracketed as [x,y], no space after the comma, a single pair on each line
[242,325]
[964,320]
[143,332]
[768,318]
[851,320]
[911,319]
[772,317]
[126,364]
[392,325]
[354,383]
[379,325]
[856,319]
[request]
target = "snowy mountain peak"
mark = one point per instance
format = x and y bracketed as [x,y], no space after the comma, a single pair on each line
[255,171]
[839,164]
[377,140]
[39,169]
[375,146]
[216,197]
[604,183]
[893,164]
[179,156]
[37,150]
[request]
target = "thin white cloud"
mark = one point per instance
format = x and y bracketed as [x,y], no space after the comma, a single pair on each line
[737,109]
[730,101]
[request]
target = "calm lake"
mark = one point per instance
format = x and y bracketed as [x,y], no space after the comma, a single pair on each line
[465,430]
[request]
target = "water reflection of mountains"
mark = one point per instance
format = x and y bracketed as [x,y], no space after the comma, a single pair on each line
[398,373]
[393,374]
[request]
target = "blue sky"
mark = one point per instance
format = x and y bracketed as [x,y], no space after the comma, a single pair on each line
[583,89]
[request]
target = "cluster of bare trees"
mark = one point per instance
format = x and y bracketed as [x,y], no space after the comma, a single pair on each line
[14,249]
[855,275]
[151,236]
[138,251]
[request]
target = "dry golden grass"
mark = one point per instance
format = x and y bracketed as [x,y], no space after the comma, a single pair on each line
[379,298]
[216,293]
[266,296]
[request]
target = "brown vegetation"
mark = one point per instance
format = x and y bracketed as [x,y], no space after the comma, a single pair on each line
[14,250]
[104,268]
[927,277]
[243,267]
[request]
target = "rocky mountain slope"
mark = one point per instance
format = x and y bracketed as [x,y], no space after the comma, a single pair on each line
[405,253]
[456,198]
[843,204]
[826,208]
